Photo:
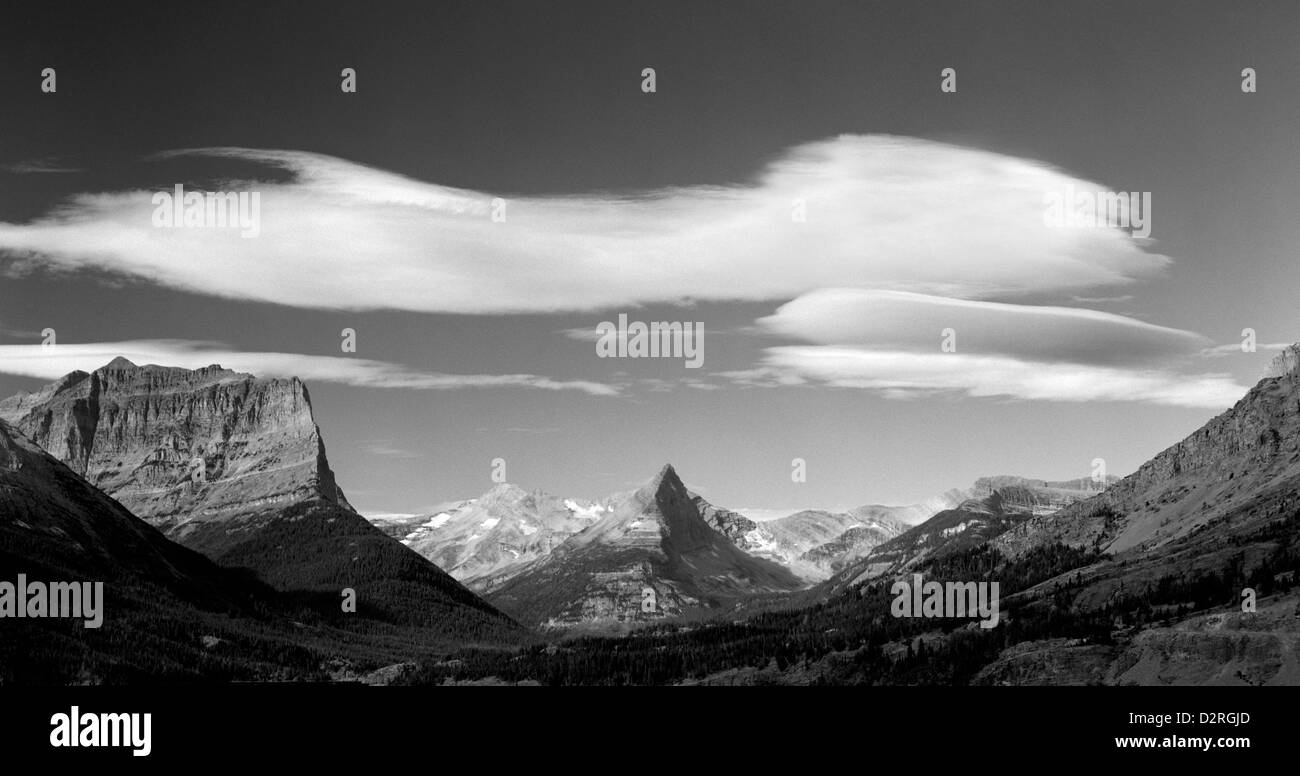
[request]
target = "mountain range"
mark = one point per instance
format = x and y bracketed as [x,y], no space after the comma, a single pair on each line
[205,500]
[487,541]
[650,557]
[1183,572]
[994,506]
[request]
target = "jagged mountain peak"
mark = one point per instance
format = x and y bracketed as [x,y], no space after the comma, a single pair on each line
[663,482]
[1284,363]
[666,474]
[123,369]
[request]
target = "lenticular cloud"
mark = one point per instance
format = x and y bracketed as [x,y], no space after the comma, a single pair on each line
[853,211]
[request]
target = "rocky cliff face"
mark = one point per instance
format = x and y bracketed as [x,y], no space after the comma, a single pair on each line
[181,448]
[652,557]
[1245,456]
[1285,363]
[1036,497]
[742,531]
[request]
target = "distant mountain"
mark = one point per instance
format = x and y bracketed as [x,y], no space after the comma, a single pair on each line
[234,466]
[485,541]
[912,514]
[811,543]
[995,505]
[653,556]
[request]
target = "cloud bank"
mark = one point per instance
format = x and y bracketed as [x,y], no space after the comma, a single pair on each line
[878,212]
[907,375]
[874,245]
[890,342]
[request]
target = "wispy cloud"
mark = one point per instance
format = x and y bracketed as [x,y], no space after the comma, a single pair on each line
[387,448]
[582,335]
[28,334]
[905,375]
[883,212]
[40,166]
[1102,299]
[1234,349]
[49,364]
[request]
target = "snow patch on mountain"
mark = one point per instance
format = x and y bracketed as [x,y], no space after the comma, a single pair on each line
[593,512]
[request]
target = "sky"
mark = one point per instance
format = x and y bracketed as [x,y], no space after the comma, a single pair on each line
[798,184]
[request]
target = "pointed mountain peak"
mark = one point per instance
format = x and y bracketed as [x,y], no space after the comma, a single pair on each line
[119,363]
[666,477]
[1285,363]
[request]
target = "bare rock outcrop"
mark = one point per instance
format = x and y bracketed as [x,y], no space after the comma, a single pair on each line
[181,448]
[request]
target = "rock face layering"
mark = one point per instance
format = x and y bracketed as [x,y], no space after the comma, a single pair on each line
[184,450]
